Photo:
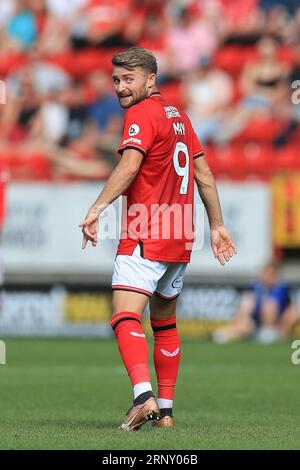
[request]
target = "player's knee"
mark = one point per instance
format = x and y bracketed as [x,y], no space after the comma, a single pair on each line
[162,315]
[124,316]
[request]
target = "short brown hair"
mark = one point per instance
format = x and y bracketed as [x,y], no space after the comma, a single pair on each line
[136,57]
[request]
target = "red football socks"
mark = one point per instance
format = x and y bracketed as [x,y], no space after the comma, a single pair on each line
[133,345]
[166,356]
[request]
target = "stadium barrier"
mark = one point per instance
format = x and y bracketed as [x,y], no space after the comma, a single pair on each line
[79,311]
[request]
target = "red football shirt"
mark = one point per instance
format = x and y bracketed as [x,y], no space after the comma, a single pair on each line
[159,205]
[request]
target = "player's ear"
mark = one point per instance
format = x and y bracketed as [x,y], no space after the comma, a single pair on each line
[151,80]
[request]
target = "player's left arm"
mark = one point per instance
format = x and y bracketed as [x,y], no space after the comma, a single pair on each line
[221,241]
[120,179]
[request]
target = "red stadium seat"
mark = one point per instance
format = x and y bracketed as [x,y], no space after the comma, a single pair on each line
[286,55]
[83,62]
[65,60]
[239,162]
[172,92]
[233,58]
[226,162]
[31,167]
[294,137]
[257,161]
[12,62]
[286,158]
[262,129]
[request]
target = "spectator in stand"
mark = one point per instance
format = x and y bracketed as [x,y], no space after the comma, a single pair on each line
[104,112]
[66,11]
[140,11]
[208,94]
[290,5]
[266,310]
[294,79]
[264,82]
[22,104]
[104,108]
[292,105]
[7,10]
[264,85]
[69,117]
[22,26]
[101,24]
[190,38]
[278,24]
[295,26]
[154,37]
[60,20]
[241,22]
[28,89]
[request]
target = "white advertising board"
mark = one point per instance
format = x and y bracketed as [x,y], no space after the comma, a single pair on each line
[42,232]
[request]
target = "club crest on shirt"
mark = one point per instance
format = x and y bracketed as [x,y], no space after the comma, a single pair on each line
[134,129]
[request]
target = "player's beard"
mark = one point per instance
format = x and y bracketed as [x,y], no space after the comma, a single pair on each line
[135,98]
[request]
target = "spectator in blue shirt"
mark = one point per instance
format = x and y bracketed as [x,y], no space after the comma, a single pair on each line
[105,107]
[22,27]
[265,309]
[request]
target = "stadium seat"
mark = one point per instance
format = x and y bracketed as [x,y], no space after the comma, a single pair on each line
[286,55]
[226,162]
[11,62]
[260,129]
[286,158]
[257,161]
[81,63]
[233,58]
[31,167]
[172,92]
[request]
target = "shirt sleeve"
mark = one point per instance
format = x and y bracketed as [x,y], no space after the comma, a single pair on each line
[197,147]
[139,131]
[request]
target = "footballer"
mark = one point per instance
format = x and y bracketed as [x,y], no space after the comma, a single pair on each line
[161,158]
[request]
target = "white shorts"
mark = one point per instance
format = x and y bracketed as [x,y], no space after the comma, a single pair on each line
[136,274]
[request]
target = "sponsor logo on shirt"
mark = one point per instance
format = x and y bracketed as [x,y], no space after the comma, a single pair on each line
[134,129]
[132,139]
[171,112]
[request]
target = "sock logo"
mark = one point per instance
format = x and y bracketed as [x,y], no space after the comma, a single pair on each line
[170,354]
[139,335]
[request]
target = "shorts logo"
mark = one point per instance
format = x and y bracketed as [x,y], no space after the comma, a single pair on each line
[133,129]
[177,283]
[138,335]
[170,354]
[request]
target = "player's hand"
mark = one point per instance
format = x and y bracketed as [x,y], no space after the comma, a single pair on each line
[222,245]
[90,227]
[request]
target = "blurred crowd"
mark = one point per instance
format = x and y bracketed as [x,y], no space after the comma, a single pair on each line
[233,65]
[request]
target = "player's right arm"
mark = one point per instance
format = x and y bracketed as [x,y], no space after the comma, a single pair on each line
[221,242]
[120,179]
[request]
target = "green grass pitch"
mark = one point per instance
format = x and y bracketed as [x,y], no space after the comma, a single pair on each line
[72,394]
